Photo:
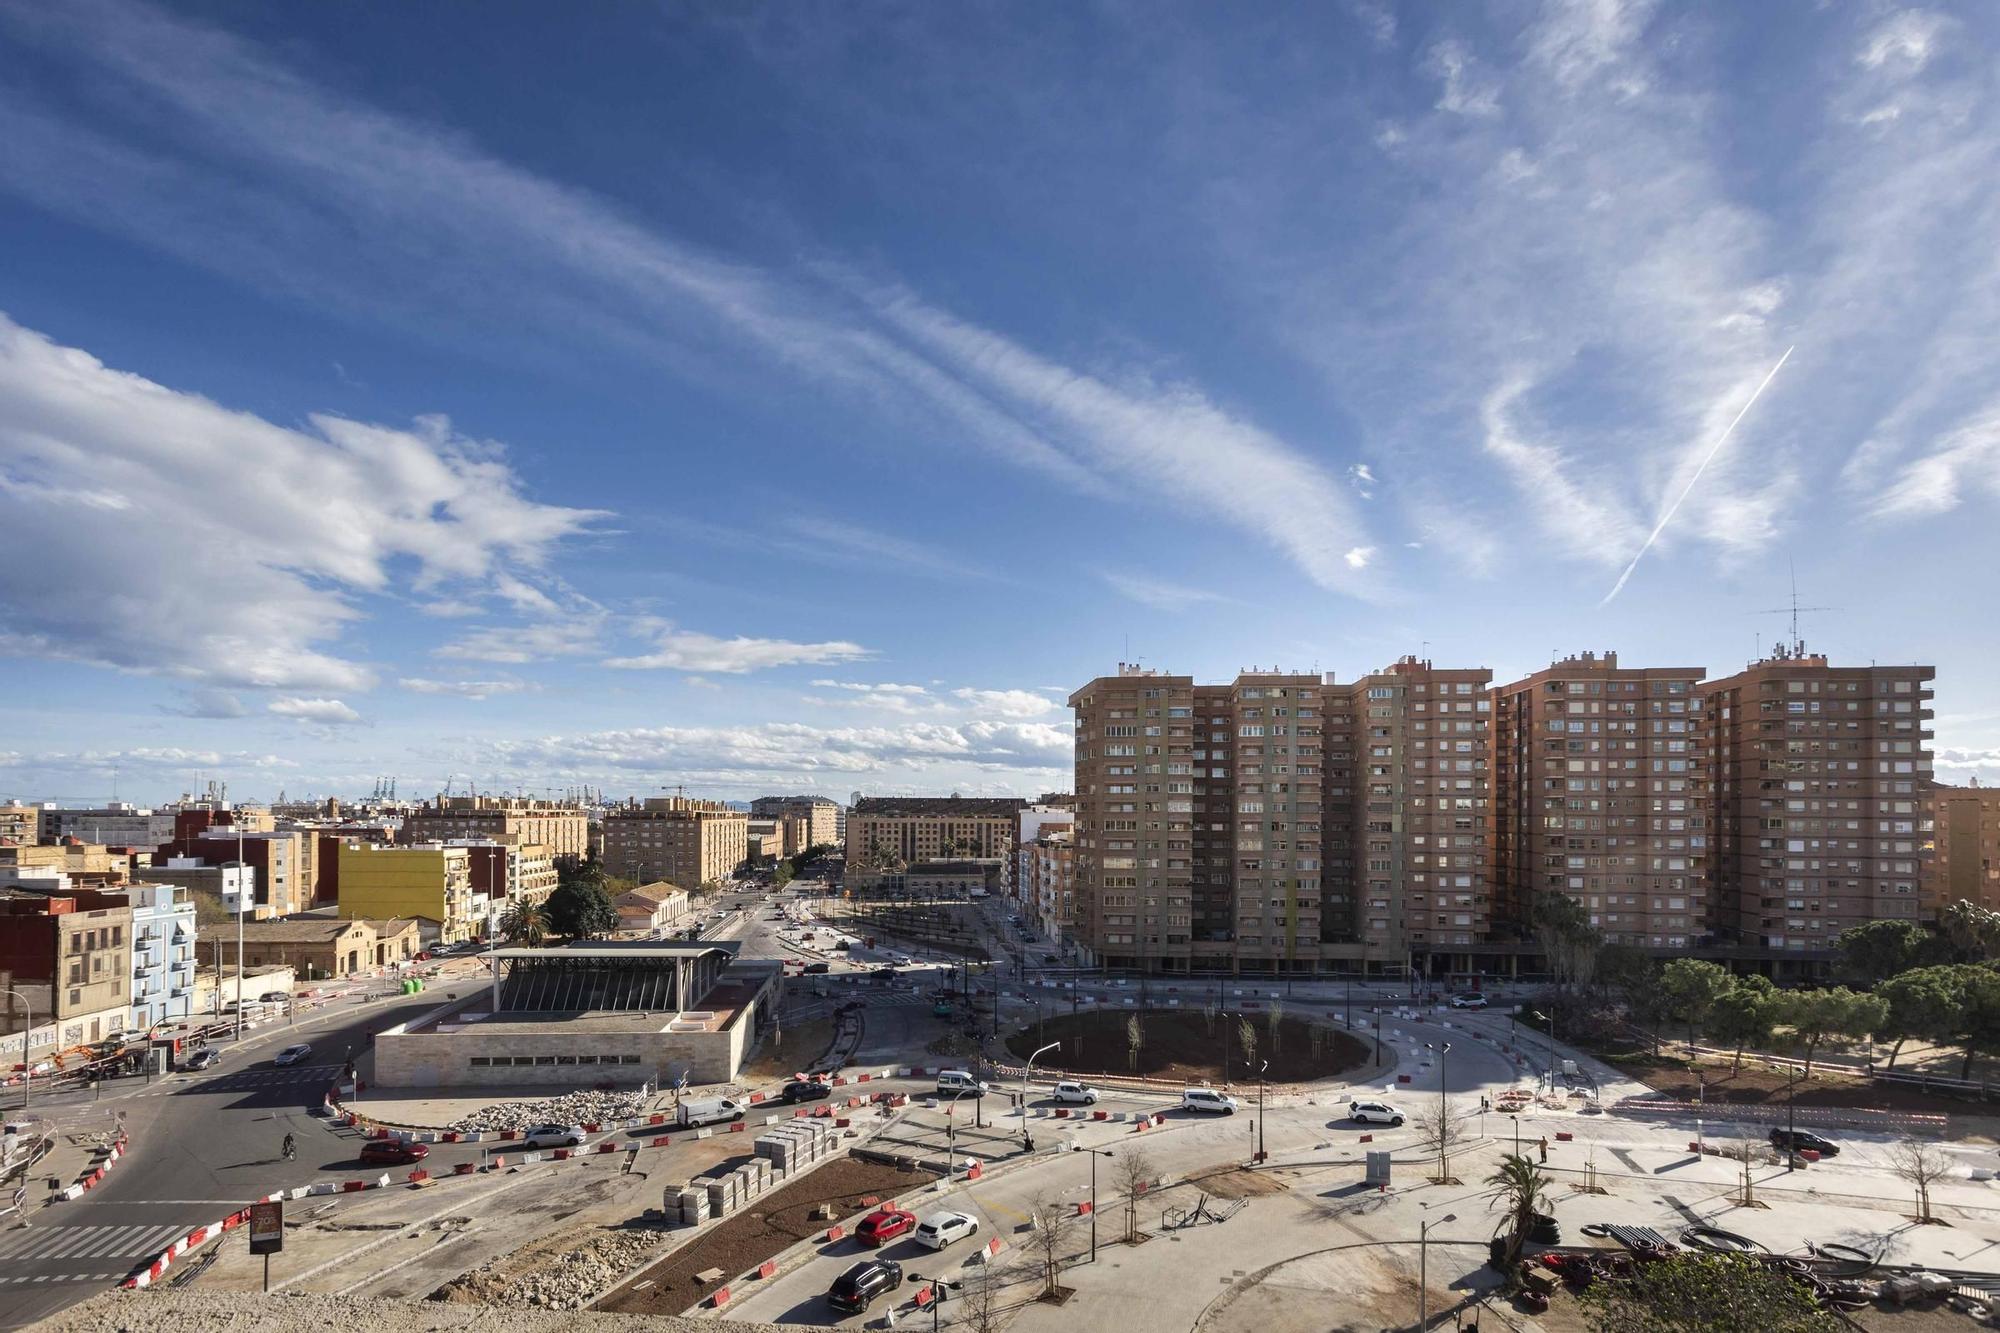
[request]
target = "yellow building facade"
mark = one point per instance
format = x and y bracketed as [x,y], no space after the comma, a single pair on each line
[431,883]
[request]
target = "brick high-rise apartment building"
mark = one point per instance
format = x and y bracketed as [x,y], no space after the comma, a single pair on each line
[822,816]
[1199,821]
[1600,778]
[1819,778]
[888,834]
[1421,805]
[1965,831]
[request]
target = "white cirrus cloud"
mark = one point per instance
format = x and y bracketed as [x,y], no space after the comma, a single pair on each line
[1907,37]
[1160,594]
[324,712]
[232,160]
[306,520]
[464,689]
[689,650]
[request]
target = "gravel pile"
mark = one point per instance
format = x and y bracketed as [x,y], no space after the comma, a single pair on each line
[580,1276]
[576,1108]
[195,1310]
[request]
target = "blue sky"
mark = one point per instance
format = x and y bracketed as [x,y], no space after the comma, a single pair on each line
[807,397]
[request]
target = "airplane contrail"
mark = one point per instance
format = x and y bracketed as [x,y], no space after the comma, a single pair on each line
[1714,449]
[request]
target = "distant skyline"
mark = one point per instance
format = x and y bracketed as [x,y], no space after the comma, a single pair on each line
[775,399]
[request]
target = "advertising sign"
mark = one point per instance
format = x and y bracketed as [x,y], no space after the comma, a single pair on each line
[267,1228]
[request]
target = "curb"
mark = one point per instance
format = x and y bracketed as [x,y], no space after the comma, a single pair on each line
[92,1175]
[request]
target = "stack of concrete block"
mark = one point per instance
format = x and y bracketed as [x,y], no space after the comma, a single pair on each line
[724,1194]
[795,1145]
[687,1202]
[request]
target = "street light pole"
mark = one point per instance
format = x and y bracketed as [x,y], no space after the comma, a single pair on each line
[1423,1269]
[1028,1144]
[1791,1121]
[1260,1108]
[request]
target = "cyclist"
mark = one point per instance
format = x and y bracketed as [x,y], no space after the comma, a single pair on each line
[291,1148]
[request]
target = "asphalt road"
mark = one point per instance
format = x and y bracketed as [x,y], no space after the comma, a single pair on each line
[200,1146]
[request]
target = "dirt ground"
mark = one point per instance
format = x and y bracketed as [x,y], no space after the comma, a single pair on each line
[1755,1084]
[1178,1044]
[803,1045]
[769,1226]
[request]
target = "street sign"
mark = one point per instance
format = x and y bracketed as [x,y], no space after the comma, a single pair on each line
[267,1228]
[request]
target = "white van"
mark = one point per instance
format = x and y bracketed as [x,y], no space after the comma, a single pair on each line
[1207,1099]
[958,1083]
[707,1111]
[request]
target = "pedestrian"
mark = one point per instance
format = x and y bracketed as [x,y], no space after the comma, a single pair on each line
[1545,1147]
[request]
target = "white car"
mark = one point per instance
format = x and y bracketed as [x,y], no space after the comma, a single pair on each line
[1470,1000]
[902,960]
[1082,1094]
[941,1229]
[1208,1099]
[958,1083]
[553,1136]
[1374,1113]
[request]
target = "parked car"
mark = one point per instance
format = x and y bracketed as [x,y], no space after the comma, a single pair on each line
[292,1055]
[804,1090]
[958,1083]
[884,1225]
[1800,1140]
[1208,1099]
[1374,1113]
[205,1058]
[941,1229]
[553,1136]
[853,1290]
[393,1152]
[1082,1094]
[1469,1000]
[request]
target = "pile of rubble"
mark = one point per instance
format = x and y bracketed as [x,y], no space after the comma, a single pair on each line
[579,1276]
[576,1108]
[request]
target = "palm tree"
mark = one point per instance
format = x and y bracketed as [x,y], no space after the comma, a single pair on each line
[1522,1187]
[525,924]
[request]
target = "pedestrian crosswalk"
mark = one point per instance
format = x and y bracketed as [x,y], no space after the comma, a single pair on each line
[74,1246]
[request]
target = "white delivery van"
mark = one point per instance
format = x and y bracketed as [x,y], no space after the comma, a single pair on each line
[707,1111]
[959,1083]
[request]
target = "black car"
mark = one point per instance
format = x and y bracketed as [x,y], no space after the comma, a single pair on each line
[1799,1140]
[819,967]
[804,1090]
[853,1290]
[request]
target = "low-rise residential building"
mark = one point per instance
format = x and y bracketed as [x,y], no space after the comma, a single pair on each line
[20,823]
[320,948]
[431,882]
[956,877]
[675,838]
[772,837]
[508,820]
[87,865]
[650,907]
[825,818]
[223,835]
[115,825]
[506,875]
[69,957]
[163,953]
[230,888]
[886,834]
[1047,882]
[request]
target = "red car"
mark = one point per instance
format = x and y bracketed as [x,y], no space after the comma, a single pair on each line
[879,1228]
[393,1152]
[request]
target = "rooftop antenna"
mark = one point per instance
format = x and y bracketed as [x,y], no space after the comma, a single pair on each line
[1797,646]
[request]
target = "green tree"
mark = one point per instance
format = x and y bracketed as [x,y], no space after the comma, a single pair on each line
[1569,942]
[1974,932]
[1691,987]
[1633,976]
[1837,1013]
[581,910]
[1927,1003]
[1871,954]
[1980,1020]
[1705,1293]
[525,924]
[1744,1014]
[1522,1187]
[782,875]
